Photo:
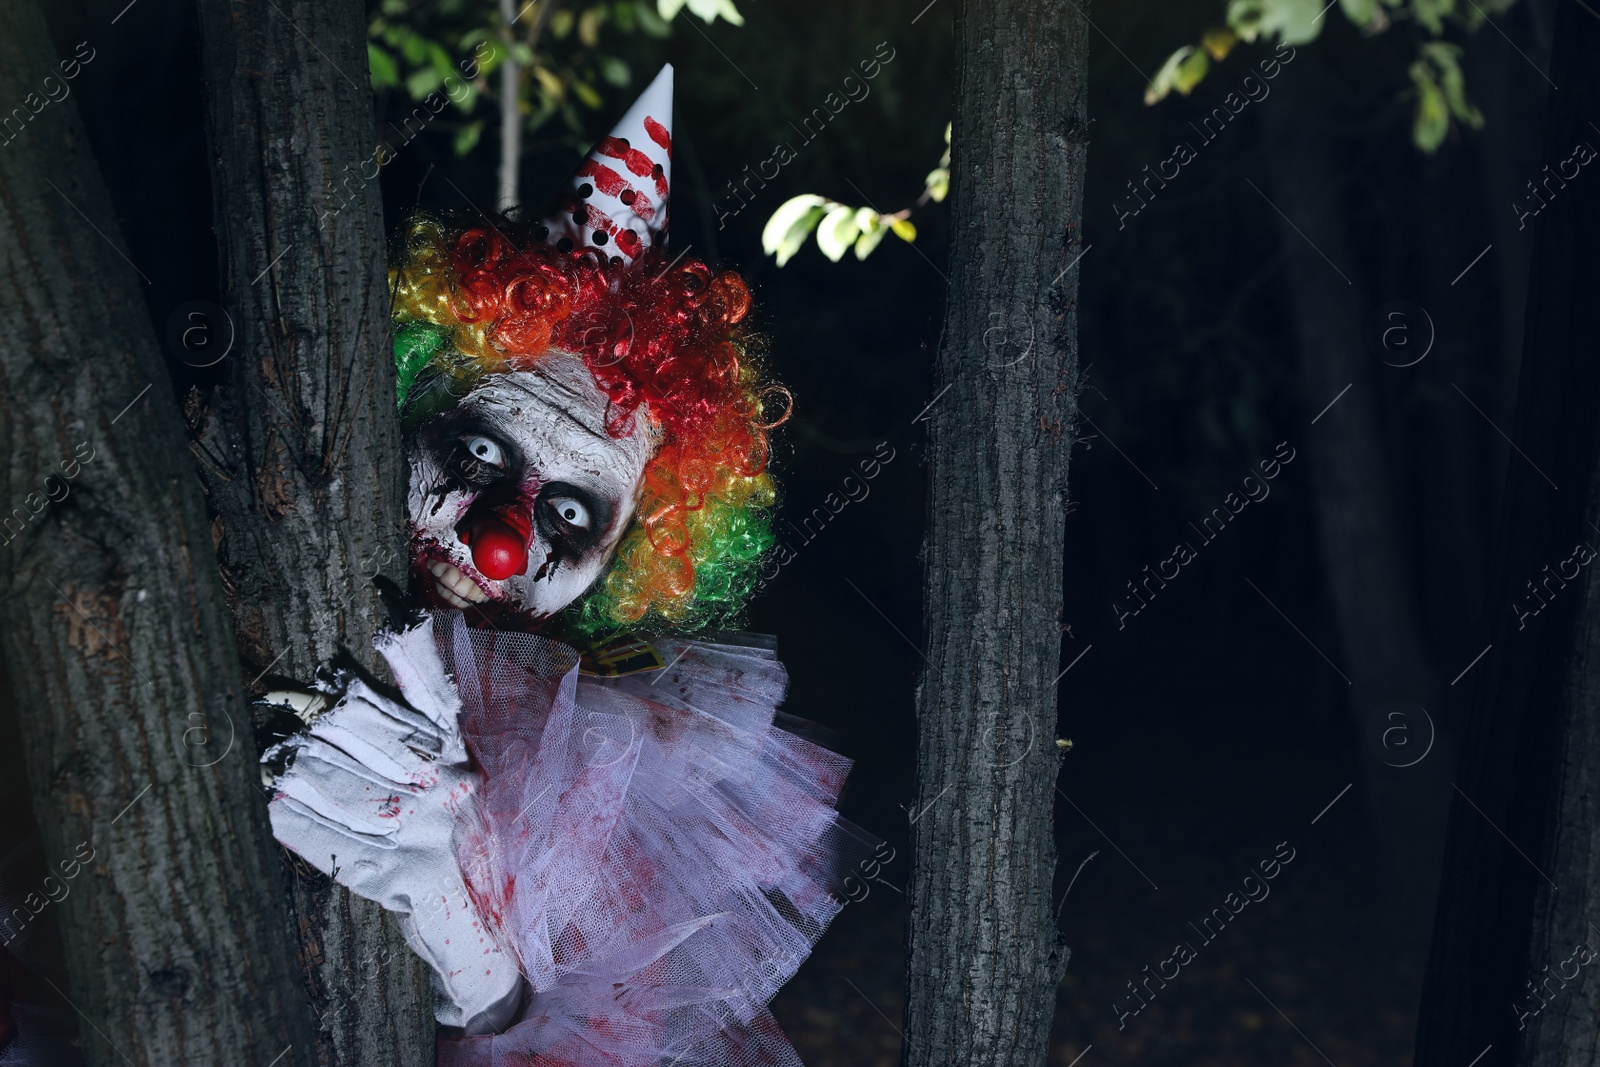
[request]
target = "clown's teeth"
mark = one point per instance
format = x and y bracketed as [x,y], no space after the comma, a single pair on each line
[454,587]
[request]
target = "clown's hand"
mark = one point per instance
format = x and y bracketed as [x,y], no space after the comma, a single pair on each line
[372,796]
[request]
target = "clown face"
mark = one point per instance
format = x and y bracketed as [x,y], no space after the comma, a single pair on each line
[519,495]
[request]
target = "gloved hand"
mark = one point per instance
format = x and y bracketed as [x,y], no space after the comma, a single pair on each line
[374,796]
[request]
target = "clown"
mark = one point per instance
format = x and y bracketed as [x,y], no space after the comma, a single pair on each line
[614,858]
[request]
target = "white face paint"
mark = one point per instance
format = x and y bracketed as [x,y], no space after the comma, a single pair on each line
[524,459]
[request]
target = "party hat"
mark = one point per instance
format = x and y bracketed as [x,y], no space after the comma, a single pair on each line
[616,201]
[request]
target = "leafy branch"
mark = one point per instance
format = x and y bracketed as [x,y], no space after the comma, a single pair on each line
[560,50]
[1436,76]
[839,227]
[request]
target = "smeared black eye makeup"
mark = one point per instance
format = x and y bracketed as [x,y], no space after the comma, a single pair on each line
[471,453]
[479,459]
[572,516]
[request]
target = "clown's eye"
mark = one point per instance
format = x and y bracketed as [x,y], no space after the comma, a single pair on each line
[570,511]
[485,450]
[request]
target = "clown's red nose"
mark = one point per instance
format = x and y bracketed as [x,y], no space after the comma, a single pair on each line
[499,549]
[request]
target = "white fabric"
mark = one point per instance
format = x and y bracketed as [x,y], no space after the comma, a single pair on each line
[658,853]
[373,798]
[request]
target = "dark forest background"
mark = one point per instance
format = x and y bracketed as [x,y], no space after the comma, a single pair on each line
[1214,726]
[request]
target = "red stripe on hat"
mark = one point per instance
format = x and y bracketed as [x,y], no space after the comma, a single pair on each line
[658,133]
[636,161]
[606,180]
[626,241]
[613,184]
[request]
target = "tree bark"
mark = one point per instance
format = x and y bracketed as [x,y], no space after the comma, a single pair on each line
[300,446]
[117,643]
[985,957]
[1382,654]
[1522,875]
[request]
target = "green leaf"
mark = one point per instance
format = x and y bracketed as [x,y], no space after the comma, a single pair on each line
[498,54]
[551,83]
[904,230]
[419,83]
[870,236]
[385,74]
[1359,12]
[1182,71]
[783,218]
[706,9]
[837,232]
[413,46]
[1218,41]
[1290,21]
[1190,72]
[615,71]
[796,237]
[1446,59]
[586,93]
[938,184]
[441,62]
[467,137]
[469,97]
[710,9]
[1161,85]
[1432,119]
[589,27]
[561,23]
[1431,14]
[650,21]
[789,226]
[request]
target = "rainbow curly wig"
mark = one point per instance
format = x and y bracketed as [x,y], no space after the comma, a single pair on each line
[667,336]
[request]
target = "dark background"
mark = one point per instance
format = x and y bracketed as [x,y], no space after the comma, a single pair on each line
[1208,730]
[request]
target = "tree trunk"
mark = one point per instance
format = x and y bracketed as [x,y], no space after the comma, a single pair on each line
[1448,444]
[1504,154]
[117,643]
[34,943]
[1382,654]
[300,446]
[985,956]
[1522,877]
[507,186]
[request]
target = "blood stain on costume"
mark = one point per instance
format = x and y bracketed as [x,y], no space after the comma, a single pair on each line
[667,726]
